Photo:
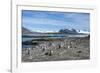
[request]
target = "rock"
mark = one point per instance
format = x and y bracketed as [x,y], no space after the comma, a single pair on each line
[49,53]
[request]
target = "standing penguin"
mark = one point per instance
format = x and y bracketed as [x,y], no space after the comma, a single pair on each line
[29,53]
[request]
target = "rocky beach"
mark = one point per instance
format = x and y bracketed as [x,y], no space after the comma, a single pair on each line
[56,49]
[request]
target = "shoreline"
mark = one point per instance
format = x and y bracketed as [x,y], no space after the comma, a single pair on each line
[57,50]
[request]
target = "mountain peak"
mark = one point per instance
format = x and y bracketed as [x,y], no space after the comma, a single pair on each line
[68,31]
[26,31]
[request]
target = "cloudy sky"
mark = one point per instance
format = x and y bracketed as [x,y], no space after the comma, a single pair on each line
[54,21]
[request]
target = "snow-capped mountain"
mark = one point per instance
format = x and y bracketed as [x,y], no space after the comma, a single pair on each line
[73,31]
[68,31]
